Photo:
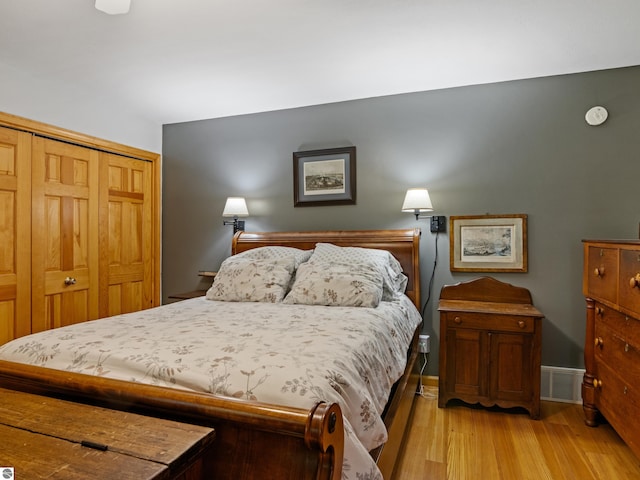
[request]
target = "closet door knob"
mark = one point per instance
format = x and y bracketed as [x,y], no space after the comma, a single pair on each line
[69,281]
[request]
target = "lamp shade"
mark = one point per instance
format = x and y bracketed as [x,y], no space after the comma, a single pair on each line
[113,7]
[235,207]
[417,201]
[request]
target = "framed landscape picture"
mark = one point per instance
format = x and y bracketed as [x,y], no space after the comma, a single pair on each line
[488,243]
[324,177]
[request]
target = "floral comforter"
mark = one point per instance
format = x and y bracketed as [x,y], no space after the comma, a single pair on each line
[293,355]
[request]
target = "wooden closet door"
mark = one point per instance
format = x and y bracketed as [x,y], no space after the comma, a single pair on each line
[126,235]
[15,234]
[65,234]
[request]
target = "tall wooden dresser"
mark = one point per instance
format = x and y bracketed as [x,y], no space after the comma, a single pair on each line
[611,384]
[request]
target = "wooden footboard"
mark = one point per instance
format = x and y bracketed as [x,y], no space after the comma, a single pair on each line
[253,440]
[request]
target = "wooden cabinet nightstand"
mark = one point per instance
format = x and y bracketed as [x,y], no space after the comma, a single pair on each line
[188,295]
[490,343]
[44,437]
[194,293]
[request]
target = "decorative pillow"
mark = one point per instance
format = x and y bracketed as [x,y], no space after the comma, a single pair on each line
[273,252]
[336,284]
[252,280]
[394,281]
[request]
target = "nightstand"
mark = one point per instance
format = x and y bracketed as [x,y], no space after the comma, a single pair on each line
[188,295]
[490,342]
[195,293]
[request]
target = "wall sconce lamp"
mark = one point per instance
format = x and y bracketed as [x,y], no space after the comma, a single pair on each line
[417,201]
[235,207]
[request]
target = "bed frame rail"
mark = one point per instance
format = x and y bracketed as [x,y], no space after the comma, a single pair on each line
[253,440]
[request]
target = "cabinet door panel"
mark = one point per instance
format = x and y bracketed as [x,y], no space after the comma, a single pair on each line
[65,242]
[466,371]
[15,234]
[511,359]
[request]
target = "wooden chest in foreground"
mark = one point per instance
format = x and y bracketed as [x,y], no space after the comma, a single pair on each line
[43,437]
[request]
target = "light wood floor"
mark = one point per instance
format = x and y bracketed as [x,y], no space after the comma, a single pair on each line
[472,443]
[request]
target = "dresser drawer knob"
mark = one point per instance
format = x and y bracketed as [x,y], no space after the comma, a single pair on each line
[626,347]
[625,390]
[597,383]
[599,311]
[635,281]
[599,272]
[457,320]
[599,342]
[522,323]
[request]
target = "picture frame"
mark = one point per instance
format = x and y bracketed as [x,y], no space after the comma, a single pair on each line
[324,177]
[488,243]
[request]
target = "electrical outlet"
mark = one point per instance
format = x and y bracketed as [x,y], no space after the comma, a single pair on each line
[438,224]
[424,344]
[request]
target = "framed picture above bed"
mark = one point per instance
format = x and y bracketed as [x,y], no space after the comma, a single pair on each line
[324,177]
[488,243]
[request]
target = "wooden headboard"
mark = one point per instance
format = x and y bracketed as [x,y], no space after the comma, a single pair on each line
[404,245]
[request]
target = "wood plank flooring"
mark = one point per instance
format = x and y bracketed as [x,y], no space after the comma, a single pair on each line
[464,442]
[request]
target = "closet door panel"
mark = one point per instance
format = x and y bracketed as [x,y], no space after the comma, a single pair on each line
[127,270]
[65,241]
[15,234]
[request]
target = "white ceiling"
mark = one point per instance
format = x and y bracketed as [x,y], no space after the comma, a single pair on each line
[181,60]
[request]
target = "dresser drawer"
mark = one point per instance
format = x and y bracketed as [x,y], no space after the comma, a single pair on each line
[625,327]
[629,280]
[485,321]
[601,273]
[614,320]
[619,401]
[613,349]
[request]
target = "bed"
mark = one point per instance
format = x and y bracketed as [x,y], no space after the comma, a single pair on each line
[319,422]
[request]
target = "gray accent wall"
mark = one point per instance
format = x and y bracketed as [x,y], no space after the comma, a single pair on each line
[513,147]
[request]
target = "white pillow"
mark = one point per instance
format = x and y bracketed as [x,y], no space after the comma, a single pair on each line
[394,282]
[336,284]
[251,280]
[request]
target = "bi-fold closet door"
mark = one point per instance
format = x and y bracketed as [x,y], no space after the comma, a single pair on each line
[76,225]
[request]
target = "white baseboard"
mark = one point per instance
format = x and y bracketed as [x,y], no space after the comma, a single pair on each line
[560,384]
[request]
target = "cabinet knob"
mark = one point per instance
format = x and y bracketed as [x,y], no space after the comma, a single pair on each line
[635,281]
[599,311]
[522,323]
[599,342]
[69,281]
[599,271]
[457,320]
[597,383]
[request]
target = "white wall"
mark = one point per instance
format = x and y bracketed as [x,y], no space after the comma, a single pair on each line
[88,112]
